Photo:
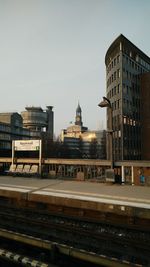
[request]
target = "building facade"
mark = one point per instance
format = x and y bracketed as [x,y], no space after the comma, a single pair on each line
[84,143]
[126,66]
[40,122]
[34,123]
[145,115]
[11,128]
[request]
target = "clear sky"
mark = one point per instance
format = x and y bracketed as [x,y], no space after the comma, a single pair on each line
[52,53]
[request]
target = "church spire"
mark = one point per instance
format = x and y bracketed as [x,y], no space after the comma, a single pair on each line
[78,118]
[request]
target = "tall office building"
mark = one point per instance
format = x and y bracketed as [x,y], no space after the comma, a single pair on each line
[127,84]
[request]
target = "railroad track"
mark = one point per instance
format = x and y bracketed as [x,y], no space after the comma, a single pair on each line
[103,239]
[77,256]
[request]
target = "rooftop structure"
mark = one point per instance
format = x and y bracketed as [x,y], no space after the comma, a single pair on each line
[38,120]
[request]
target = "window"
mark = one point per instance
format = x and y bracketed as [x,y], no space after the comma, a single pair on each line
[124,120]
[118,58]
[137,58]
[127,104]
[118,73]
[124,88]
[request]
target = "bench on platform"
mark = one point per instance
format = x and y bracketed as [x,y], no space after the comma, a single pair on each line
[26,170]
[12,169]
[34,170]
[19,169]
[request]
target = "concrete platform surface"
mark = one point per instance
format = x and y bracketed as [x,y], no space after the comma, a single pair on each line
[92,190]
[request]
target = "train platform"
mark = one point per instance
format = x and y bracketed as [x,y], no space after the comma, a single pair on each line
[111,214]
[127,195]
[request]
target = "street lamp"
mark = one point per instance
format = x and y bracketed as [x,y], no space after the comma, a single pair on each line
[105,103]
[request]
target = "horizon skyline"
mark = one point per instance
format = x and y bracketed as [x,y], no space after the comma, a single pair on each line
[52,53]
[44,109]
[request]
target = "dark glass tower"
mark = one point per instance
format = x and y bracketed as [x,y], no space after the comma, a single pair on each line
[125,65]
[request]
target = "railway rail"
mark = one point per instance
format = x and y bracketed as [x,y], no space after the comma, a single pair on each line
[87,258]
[123,244]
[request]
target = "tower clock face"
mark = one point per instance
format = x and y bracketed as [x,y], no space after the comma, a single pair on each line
[78,118]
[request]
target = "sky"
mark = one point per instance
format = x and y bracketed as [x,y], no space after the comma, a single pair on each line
[52,53]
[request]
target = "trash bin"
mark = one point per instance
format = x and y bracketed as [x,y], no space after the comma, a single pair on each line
[117,179]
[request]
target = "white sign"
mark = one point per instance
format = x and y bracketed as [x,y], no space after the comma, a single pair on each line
[25,145]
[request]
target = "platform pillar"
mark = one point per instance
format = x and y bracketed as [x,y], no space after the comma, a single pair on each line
[122,174]
[132,175]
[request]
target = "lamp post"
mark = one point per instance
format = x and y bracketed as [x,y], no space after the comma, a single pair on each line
[105,103]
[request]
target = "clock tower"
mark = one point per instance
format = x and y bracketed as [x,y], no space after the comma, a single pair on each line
[78,118]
